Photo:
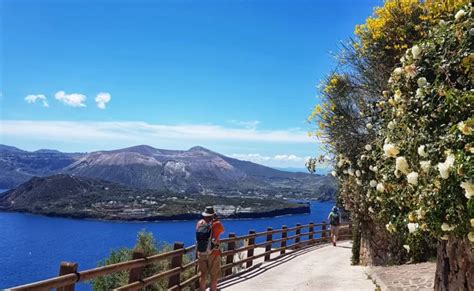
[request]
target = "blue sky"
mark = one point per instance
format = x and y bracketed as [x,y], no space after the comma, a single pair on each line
[238,77]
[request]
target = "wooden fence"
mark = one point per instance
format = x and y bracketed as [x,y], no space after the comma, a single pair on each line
[280,241]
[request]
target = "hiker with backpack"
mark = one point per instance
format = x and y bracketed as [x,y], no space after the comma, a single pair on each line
[208,230]
[334,220]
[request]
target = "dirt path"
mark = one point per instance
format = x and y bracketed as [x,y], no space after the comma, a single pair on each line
[319,268]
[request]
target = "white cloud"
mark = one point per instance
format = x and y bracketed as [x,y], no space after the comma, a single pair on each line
[73,100]
[280,159]
[252,124]
[143,132]
[40,97]
[102,99]
[288,158]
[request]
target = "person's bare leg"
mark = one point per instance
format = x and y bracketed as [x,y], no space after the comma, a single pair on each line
[202,282]
[214,285]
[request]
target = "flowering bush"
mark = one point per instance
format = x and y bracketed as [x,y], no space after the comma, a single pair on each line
[425,143]
[403,148]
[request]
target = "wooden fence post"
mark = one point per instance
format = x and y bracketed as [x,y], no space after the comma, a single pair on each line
[310,233]
[324,232]
[298,235]
[250,251]
[64,269]
[136,273]
[268,247]
[176,261]
[284,235]
[230,258]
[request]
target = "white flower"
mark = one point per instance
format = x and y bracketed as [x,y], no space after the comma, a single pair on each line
[373,168]
[398,71]
[464,128]
[442,22]
[421,151]
[420,93]
[445,237]
[371,210]
[373,183]
[447,227]
[333,173]
[459,14]
[391,124]
[359,182]
[412,227]
[350,172]
[340,163]
[407,247]
[425,166]
[401,165]
[358,173]
[469,188]
[390,150]
[470,236]
[472,222]
[422,82]
[416,51]
[369,126]
[380,187]
[412,178]
[443,168]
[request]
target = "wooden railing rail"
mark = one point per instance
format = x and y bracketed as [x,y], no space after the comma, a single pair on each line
[303,237]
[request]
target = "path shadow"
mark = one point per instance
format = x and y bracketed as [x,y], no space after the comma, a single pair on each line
[263,267]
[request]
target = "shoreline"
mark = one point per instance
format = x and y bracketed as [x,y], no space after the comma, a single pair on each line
[303,209]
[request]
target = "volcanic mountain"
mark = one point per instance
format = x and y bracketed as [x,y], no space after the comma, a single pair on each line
[194,171]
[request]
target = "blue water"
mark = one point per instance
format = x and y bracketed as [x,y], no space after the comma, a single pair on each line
[32,246]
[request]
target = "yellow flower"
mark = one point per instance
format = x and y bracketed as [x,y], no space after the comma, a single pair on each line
[464,128]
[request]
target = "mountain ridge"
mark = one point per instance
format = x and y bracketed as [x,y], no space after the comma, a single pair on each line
[197,170]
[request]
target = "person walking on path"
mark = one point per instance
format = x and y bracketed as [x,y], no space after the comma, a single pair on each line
[208,230]
[334,220]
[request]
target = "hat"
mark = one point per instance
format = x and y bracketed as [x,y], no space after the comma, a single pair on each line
[209,211]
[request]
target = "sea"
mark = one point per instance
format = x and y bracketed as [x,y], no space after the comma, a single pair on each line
[32,246]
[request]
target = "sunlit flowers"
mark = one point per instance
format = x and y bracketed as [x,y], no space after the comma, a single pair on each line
[464,128]
[459,14]
[422,82]
[410,70]
[368,147]
[407,247]
[373,183]
[468,188]
[380,187]
[470,236]
[447,227]
[390,227]
[390,150]
[391,124]
[425,166]
[397,96]
[416,52]
[369,126]
[412,227]
[412,178]
[398,71]
[444,167]
[401,165]
[422,151]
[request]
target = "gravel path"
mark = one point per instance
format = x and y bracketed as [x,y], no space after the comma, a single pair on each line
[320,268]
